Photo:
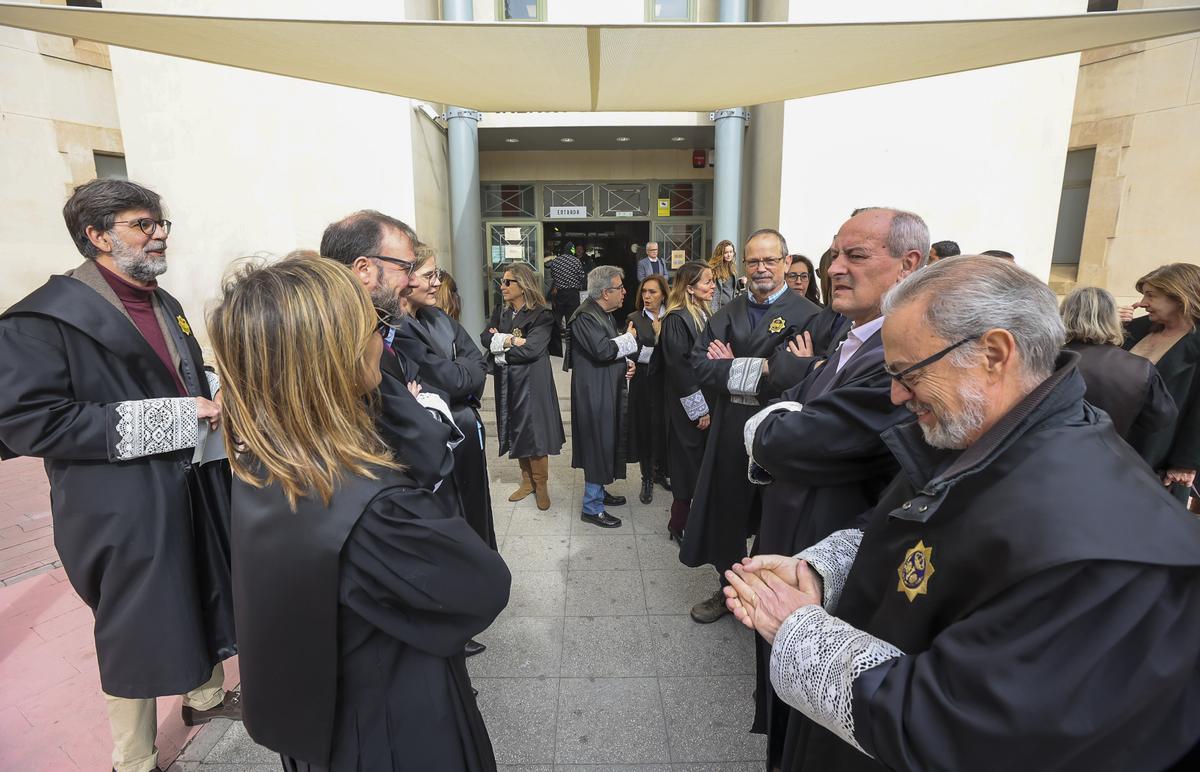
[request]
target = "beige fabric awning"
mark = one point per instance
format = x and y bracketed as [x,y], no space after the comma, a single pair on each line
[521,67]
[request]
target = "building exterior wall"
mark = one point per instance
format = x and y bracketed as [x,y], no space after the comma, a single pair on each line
[56,109]
[431,185]
[1139,106]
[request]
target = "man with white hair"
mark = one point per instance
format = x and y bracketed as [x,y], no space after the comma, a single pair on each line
[650,264]
[1026,594]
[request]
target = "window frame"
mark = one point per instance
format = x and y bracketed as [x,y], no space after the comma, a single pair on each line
[541,12]
[651,19]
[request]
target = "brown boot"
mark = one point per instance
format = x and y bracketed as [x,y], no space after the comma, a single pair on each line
[540,468]
[526,486]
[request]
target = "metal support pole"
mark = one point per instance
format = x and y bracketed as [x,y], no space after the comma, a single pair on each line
[730,134]
[466,220]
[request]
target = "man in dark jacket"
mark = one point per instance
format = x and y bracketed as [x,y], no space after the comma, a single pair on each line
[1026,595]
[819,447]
[103,378]
[599,371]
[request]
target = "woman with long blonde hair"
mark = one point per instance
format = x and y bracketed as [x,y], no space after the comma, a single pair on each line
[724,274]
[528,422]
[352,587]
[687,408]
[1169,336]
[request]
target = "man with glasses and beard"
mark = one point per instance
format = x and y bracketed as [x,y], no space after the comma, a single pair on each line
[731,364]
[1025,595]
[416,424]
[103,379]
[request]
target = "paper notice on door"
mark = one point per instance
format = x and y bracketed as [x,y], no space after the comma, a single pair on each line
[512,234]
[678,258]
[513,253]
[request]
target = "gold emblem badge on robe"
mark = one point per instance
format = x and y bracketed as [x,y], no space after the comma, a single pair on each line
[183,325]
[516,333]
[777,325]
[915,571]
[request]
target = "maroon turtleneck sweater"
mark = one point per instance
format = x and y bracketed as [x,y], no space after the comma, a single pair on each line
[138,302]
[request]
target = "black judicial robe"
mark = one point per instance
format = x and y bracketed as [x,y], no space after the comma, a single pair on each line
[647,419]
[1059,627]
[414,435]
[725,506]
[528,421]
[448,362]
[598,395]
[685,441]
[353,617]
[826,330]
[827,465]
[144,541]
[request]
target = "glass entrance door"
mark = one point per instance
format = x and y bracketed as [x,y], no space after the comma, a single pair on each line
[510,242]
[690,238]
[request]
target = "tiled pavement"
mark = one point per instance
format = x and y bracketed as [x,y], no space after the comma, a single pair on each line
[593,666]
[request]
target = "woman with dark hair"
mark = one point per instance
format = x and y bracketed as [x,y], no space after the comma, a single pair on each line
[647,420]
[1168,337]
[448,298]
[528,421]
[354,589]
[823,273]
[1124,385]
[724,274]
[801,277]
[686,406]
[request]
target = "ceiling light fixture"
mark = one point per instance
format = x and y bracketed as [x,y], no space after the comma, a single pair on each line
[678,139]
[567,139]
[622,139]
[511,140]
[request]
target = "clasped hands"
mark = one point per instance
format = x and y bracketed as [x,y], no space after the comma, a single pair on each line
[511,341]
[765,590]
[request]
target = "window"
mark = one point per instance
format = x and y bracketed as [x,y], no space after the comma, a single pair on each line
[84,3]
[683,199]
[110,166]
[623,200]
[1072,207]
[1095,6]
[508,200]
[520,10]
[670,10]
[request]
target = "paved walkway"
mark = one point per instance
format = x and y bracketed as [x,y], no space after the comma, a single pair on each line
[594,665]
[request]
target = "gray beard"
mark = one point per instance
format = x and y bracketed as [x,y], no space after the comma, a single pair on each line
[384,299]
[135,263]
[953,432]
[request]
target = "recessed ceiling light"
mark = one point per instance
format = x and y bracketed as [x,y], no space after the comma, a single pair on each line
[511,140]
[678,139]
[566,139]
[622,139]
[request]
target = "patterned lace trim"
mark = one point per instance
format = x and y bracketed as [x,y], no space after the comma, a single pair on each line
[744,374]
[750,430]
[645,354]
[831,558]
[814,662]
[146,427]
[694,405]
[214,382]
[626,344]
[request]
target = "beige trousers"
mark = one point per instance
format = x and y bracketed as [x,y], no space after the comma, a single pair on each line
[134,723]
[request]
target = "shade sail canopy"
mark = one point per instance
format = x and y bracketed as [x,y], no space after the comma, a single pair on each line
[521,67]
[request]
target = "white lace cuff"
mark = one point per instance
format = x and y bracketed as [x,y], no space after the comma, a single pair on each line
[694,405]
[831,558]
[751,428]
[744,374]
[147,427]
[441,411]
[214,382]
[626,345]
[814,662]
[498,341]
[645,354]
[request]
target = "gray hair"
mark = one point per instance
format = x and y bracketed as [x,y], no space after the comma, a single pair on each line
[969,295]
[907,232]
[601,278]
[651,244]
[1091,316]
[783,248]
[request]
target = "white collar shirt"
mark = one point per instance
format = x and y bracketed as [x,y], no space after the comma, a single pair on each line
[858,335]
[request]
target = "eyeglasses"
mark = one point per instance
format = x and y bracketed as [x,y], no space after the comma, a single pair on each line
[796,276]
[766,262]
[620,287]
[437,274]
[405,266]
[507,282]
[147,225]
[902,376]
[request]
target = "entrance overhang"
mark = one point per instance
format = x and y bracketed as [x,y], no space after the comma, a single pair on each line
[602,67]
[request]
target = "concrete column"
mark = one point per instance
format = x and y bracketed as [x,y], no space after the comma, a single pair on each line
[730,135]
[466,221]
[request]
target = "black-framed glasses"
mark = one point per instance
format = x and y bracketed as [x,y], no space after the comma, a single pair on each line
[765,262]
[796,276]
[405,266]
[507,282]
[620,287]
[147,225]
[899,377]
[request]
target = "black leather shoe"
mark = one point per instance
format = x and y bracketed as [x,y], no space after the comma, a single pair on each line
[603,520]
[675,536]
[474,647]
[663,480]
[647,494]
[613,501]
[230,708]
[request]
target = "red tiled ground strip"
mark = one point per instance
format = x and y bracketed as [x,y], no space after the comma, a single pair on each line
[52,713]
